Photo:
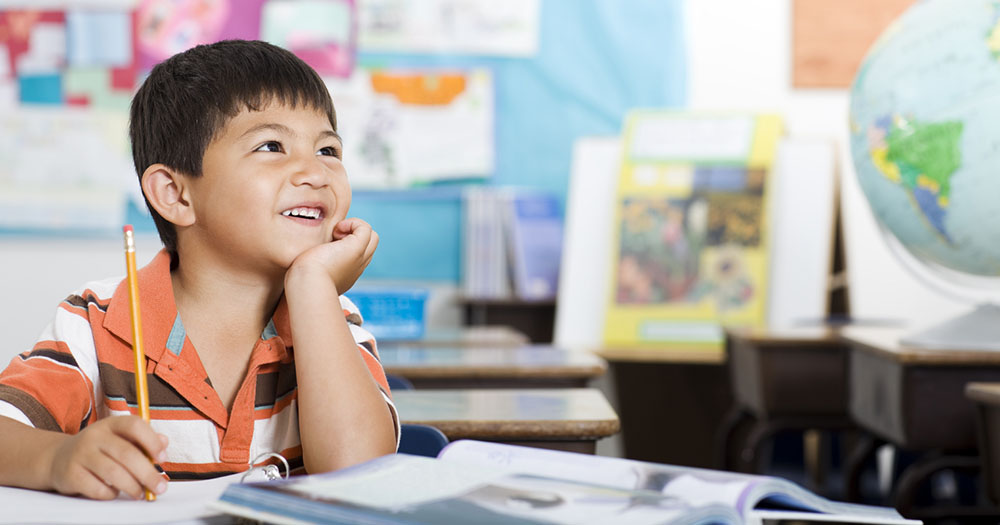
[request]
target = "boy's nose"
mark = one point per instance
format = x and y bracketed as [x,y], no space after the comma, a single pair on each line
[310,172]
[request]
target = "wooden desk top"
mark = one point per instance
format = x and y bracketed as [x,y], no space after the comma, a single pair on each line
[466,336]
[793,336]
[988,393]
[884,341]
[669,353]
[517,414]
[474,362]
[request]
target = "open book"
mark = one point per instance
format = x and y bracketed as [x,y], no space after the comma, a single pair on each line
[490,483]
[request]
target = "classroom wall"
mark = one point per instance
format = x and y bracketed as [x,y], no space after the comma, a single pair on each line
[739,57]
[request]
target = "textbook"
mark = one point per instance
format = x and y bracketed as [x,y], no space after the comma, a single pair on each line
[491,483]
[534,236]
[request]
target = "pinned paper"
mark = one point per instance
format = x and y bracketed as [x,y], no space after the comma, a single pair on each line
[99,38]
[167,27]
[45,50]
[93,87]
[386,117]
[40,89]
[482,27]
[321,32]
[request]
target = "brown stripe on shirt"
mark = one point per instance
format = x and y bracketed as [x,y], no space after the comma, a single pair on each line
[39,416]
[272,386]
[121,383]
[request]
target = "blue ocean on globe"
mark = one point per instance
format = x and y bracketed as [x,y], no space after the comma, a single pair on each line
[925,133]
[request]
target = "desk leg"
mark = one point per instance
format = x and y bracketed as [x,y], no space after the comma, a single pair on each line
[921,471]
[731,432]
[862,452]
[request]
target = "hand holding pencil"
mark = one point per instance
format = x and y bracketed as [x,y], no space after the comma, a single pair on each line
[113,455]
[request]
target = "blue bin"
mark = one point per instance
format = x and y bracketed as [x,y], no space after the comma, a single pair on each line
[391,313]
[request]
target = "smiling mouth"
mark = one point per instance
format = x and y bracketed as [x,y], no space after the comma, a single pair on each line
[304,213]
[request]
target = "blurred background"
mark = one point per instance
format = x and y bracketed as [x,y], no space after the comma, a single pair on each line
[465,121]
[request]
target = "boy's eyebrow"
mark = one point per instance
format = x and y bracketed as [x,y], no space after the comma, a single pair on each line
[283,129]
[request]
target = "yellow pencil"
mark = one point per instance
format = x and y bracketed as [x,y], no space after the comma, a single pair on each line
[141,390]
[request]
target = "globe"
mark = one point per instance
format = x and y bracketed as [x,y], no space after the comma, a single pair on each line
[925,143]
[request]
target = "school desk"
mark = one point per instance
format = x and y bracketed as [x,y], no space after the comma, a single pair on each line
[914,398]
[562,418]
[986,399]
[491,366]
[494,335]
[672,400]
[783,379]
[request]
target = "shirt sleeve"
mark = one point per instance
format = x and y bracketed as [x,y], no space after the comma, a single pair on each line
[369,352]
[46,386]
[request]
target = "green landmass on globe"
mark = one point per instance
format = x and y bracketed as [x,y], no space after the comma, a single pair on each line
[921,158]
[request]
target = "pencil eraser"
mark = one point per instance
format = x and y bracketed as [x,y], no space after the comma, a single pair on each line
[127,228]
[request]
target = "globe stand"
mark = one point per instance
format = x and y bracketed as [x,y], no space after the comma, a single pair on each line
[975,330]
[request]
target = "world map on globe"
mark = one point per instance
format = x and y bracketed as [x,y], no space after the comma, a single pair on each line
[925,133]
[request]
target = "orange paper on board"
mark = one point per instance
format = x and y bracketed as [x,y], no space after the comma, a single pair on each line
[831,37]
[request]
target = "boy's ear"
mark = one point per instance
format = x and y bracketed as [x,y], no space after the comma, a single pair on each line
[168,193]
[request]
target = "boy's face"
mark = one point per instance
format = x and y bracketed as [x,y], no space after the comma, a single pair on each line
[272,186]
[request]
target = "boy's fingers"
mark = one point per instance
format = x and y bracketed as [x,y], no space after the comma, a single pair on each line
[370,248]
[114,474]
[137,431]
[134,463]
[95,488]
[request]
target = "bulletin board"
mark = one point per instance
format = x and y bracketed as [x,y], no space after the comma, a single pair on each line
[534,74]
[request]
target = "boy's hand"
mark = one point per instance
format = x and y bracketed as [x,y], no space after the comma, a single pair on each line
[345,258]
[110,456]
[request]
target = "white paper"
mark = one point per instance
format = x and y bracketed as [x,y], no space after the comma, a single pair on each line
[184,501]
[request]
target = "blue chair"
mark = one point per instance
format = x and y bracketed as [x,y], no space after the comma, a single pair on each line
[421,440]
[398,382]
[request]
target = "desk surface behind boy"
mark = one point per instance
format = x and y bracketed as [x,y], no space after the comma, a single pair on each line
[238,155]
[492,366]
[572,419]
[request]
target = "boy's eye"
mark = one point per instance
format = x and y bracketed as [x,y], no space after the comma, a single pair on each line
[329,151]
[271,146]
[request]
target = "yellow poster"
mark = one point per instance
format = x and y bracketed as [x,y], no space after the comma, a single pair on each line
[691,243]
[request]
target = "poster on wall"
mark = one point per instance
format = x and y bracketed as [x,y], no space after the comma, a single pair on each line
[68,71]
[403,128]
[459,27]
[691,243]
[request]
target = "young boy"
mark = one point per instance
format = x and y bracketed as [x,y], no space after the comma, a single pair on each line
[238,156]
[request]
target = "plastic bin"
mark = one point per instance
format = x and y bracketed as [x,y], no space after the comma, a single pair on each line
[391,313]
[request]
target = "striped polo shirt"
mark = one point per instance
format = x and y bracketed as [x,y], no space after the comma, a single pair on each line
[81,370]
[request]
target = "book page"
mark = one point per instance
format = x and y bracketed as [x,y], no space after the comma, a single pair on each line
[699,488]
[696,486]
[183,501]
[424,490]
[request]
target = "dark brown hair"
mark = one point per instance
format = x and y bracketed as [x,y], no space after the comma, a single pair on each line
[188,98]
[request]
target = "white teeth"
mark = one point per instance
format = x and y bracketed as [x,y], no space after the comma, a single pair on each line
[308,213]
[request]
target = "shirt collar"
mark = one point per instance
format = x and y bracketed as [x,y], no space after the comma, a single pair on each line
[156,306]
[159,311]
